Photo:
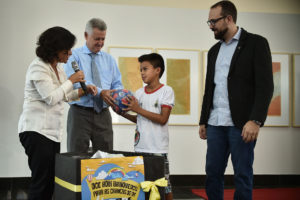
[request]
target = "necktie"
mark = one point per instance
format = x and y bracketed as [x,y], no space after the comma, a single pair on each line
[98,102]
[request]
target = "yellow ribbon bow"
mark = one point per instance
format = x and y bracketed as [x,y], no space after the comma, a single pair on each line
[150,185]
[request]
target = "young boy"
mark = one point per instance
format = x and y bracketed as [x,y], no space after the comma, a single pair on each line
[153,105]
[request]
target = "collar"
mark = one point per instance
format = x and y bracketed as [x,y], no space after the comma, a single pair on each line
[235,37]
[238,34]
[87,50]
[154,90]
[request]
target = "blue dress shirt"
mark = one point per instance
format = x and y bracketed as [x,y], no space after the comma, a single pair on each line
[110,75]
[220,114]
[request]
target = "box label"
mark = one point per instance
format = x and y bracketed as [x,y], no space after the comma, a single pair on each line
[112,178]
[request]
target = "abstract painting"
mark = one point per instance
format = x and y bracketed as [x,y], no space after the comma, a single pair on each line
[130,70]
[183,75]
[275,105]
[127,61]
[279,109]
[178,77]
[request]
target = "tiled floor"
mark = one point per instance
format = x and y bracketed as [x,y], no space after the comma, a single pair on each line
[184,192]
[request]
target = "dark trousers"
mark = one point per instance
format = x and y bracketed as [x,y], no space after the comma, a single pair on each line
[41,160]
[222,141]
[85,125]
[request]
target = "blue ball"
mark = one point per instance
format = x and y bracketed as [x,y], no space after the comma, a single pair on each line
[120,97]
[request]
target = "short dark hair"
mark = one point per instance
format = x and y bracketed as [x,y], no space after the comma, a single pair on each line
[52,41]
[228,8]
[156,61]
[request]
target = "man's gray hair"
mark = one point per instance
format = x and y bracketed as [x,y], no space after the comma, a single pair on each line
[95,23]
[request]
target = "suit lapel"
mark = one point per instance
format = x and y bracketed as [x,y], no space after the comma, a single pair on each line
[213,61]
[238,49]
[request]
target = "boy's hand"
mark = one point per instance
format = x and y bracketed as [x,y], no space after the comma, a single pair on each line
[132,104]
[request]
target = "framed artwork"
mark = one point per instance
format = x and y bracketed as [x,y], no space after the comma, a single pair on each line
[279,109]
[182,73]
[127,61]
[296,89]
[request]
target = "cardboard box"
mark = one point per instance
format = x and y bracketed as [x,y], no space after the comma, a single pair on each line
[68,173]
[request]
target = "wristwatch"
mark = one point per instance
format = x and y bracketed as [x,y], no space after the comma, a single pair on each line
[257,122]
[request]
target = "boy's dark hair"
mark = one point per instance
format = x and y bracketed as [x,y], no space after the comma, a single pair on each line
[156,61]
[52,41]
[228,8]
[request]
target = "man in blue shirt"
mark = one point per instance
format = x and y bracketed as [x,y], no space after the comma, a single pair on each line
[238,90]
[89,118]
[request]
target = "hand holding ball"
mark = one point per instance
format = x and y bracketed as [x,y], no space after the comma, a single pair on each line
[119,97]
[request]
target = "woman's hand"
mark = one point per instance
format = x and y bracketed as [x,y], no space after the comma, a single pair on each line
[77,77]
[91,89]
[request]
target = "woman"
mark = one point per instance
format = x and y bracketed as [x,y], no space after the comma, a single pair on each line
[41,122]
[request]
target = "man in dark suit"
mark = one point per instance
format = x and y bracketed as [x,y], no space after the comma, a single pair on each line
[238,90]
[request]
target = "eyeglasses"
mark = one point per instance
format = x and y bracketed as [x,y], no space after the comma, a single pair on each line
[212,22]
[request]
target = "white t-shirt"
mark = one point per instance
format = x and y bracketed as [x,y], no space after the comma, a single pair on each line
[152,137]
[44,98]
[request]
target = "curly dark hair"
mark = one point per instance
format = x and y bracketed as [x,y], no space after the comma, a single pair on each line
[52,41]
[156,61]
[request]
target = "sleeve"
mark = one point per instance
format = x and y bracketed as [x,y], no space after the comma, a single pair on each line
[208,91]
[69,95]
[72,96]
[42,79]
[117,79]
[168,99]
[264,85]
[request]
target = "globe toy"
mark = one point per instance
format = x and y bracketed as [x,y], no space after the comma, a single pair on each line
[120,97]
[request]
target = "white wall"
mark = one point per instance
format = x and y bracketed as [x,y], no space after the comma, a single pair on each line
[22,21]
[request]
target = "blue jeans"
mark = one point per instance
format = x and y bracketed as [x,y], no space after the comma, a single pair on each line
[222,141]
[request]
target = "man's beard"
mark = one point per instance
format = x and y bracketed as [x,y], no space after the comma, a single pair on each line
[220,34]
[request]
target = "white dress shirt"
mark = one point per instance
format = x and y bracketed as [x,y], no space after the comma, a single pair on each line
[44,95]
[220,114]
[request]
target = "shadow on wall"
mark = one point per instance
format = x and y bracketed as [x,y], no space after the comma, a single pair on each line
[9,104]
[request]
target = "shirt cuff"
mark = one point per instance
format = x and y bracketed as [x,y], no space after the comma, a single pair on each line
[167,106]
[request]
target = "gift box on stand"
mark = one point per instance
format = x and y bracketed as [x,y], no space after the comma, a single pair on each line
[72,178]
